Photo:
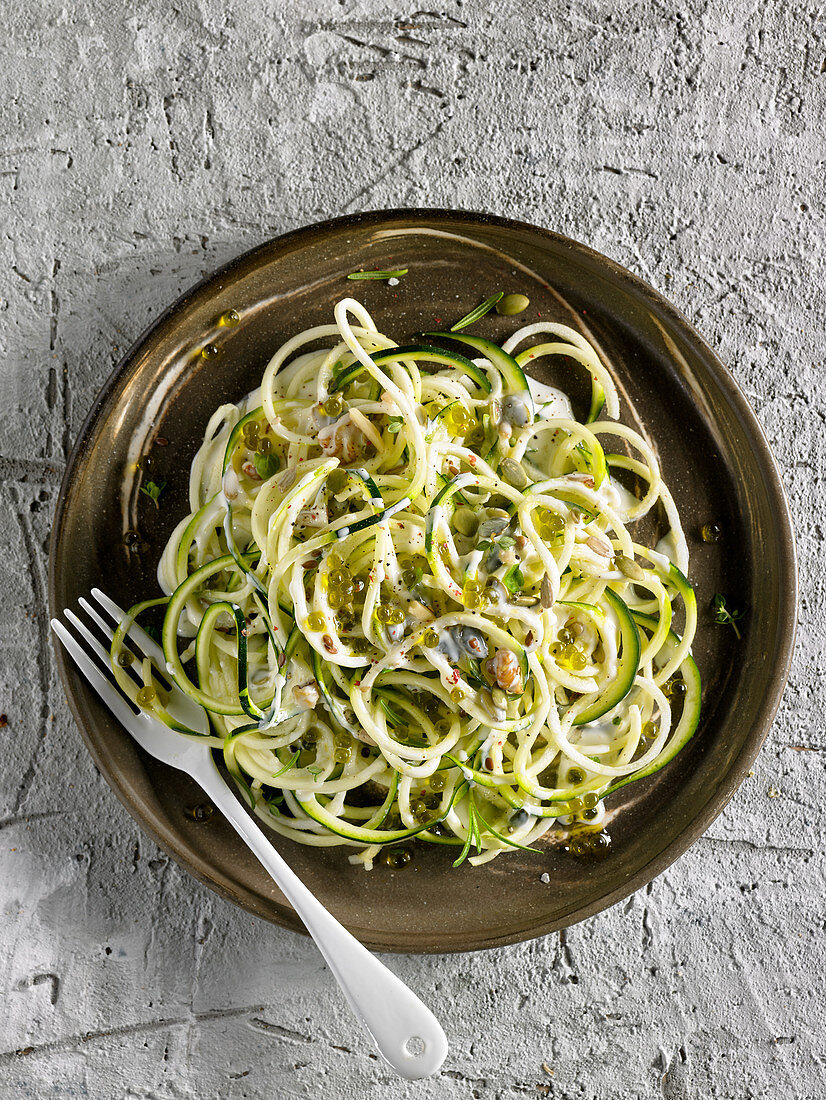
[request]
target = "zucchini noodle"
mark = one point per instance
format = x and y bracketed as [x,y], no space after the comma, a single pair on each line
[409,599]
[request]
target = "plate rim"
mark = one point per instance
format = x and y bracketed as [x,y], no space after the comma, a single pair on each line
[764,461]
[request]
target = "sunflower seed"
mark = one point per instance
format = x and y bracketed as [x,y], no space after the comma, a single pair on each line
[599,546]
[546,595]
[231,485]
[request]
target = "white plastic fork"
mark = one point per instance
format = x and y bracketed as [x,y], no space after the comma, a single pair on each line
[405,1031]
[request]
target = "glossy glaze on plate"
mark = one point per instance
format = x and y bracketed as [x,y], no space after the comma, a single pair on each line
[714,459]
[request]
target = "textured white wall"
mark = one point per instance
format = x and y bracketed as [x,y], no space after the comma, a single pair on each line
[138,151]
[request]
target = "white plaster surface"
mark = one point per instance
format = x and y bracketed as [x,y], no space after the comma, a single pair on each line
[142,145]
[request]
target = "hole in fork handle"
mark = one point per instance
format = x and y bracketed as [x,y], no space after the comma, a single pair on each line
[415,1046]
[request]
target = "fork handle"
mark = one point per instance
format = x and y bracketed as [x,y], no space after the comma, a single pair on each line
[405,1031]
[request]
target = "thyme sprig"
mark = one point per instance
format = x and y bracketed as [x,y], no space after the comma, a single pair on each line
[726,615]
[153,490]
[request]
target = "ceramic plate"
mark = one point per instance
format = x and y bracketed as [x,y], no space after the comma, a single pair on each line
[673,389]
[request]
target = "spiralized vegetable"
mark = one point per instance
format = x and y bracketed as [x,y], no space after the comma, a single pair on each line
[410,600]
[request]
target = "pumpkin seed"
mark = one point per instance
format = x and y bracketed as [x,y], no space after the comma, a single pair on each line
[464,521]
[499,698]
[512,304]
[629,568]
[514,473]
[493,526]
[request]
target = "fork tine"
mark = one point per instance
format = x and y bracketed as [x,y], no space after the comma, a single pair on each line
[142,644]
[135,633]
[110,695]
[89,638]
[105,628]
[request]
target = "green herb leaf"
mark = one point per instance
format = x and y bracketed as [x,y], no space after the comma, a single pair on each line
[513,580]
[315,771]
[484,545]
[395,424]
[474,675]
[506,541]
[726,615]
[472,831]
[480,311]
[397,274]
[504,839]
[153,490]
[290,764]
[273,803]
[395,718]
[265,465]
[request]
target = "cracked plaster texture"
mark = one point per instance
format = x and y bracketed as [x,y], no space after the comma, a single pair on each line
[142,146]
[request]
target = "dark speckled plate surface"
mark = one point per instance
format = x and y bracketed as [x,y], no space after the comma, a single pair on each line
[714,458]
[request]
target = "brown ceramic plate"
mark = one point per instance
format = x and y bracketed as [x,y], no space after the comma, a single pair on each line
[714,458]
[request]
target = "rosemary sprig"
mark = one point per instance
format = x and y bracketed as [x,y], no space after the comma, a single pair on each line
[397,274]
[473,836]
[480,311]
[290,763]
[504,839]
